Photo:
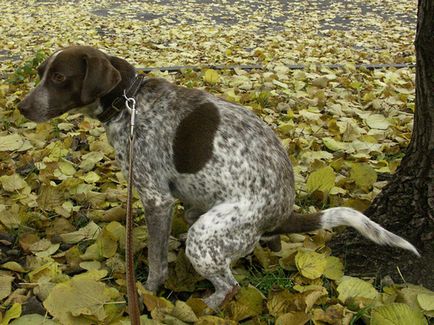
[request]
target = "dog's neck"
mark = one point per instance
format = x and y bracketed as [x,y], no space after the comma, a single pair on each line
[105,112]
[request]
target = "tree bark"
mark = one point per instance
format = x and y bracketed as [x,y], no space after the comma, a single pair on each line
[406,204]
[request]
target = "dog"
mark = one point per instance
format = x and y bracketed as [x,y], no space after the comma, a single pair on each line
[224,164]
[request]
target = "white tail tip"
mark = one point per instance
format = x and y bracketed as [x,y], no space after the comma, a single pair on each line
[349,217]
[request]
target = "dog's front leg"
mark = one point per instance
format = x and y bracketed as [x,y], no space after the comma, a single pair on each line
[158,215]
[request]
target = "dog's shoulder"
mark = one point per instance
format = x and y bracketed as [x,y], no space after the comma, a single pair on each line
[156,85]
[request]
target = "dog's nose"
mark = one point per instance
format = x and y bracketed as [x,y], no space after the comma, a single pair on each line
[23,106]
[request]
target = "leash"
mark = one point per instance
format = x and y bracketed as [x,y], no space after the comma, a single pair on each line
[133,303]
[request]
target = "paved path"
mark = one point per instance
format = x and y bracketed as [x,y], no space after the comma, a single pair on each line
[338,14]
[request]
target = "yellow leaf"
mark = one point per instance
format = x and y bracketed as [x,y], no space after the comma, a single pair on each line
[91,265]
[364,175]
[66,168]
[116,230]
[11,313]
[13,266]
[90,159]
[50,197]
[334,269]
[334,314]
[90,231]
[93,252]
[85,297]
[334,145]
[107,244]
[354,287]
[34,319]
[320,82]
[198,306]
[91,177]
[280,302]
[214,320]
[153,302]
[321,180]
[426,301]
[397,314]
[247,303]
[65,126]
[293,318]
[48,270]
[50,250]
[11,142]
[211,76]
[12,183]
[310,264]
[377,121]
[5,286]
[184,312]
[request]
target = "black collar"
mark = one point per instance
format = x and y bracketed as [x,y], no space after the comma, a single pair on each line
[118,104]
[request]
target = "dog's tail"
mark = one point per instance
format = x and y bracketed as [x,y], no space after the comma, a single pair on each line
[334,217]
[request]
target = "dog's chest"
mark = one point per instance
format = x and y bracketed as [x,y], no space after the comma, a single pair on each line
[152,147]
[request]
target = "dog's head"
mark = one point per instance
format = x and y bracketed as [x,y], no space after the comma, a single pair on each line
[74,77]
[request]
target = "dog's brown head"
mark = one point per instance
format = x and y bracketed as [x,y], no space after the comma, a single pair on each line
[72,78]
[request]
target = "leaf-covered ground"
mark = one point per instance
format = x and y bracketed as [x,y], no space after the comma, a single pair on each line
[63,196]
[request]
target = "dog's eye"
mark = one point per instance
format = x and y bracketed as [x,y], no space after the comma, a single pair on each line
[58,77]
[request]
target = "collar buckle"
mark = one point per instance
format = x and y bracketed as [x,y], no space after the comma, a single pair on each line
[124,101]
[117,104]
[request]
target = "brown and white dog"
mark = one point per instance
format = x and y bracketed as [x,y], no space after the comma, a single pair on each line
[226,166]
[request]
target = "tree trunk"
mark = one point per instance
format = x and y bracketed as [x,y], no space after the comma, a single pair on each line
[406,204]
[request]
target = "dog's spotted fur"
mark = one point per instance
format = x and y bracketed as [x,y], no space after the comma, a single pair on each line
[226,166]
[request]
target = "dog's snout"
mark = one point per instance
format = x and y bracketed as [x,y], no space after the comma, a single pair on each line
[23,106]
[26,108]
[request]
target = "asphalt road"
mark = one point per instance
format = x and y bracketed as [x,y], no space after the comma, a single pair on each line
[345,14]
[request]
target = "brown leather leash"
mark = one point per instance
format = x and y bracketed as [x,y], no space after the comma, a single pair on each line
[133,303]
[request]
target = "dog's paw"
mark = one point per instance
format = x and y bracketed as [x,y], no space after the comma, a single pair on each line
[220,298]
[155,280]
[152,286]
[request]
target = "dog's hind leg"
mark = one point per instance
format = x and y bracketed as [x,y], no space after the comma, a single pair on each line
[220,236]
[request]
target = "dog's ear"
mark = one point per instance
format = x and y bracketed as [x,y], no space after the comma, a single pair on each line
[100,78]
[41,68]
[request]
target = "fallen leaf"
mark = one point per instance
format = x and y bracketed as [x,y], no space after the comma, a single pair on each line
[33,319]
[12,183]
[377,121]
[293,318]
[396,314]
[321,180]
[426,301]
[211,76]
[5,285]
[310,264]
[90,231]
[86,298]
[11,142]
[334,269]
[364,175]
[11,313]
[350,287]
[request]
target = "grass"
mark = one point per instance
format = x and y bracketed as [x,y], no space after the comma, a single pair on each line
[264,281]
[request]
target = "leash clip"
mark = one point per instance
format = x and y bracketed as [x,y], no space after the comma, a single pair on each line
[130,103]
